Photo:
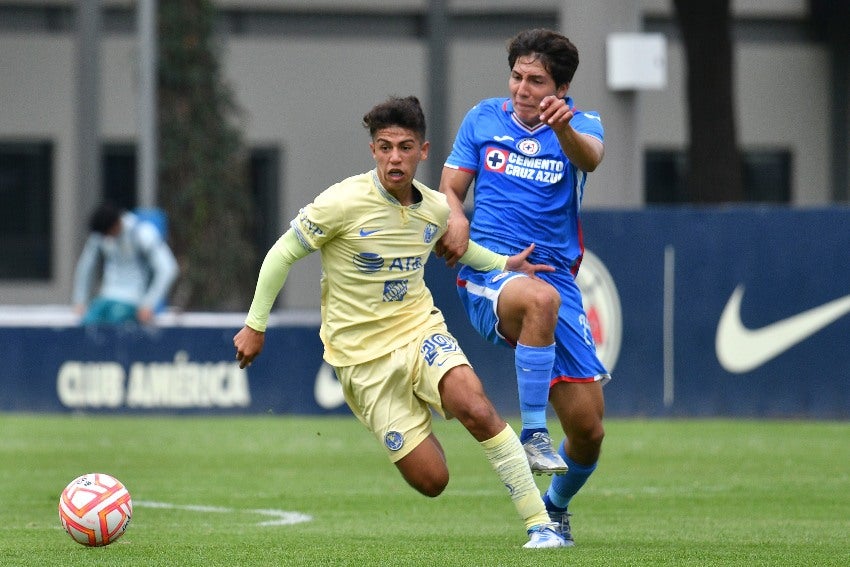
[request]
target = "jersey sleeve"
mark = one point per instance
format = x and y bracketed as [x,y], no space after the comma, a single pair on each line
[161,260]
[589,123]
[273,273]
[165,270]
[319,221]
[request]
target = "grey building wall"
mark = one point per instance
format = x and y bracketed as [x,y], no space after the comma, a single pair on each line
[306,94]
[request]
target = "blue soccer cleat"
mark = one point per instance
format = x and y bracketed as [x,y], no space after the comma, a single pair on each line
[561,521]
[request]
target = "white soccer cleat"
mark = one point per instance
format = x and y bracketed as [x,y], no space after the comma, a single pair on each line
[544,536]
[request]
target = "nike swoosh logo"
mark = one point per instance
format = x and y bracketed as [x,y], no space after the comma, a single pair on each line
[327,390]
[364,232]
[740,349]
[503,138]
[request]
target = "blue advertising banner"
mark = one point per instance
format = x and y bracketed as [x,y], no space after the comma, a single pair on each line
[173,369]
[696,312]
[707,312]
[737,312]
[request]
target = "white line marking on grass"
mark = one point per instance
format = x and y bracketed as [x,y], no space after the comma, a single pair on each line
[279,517]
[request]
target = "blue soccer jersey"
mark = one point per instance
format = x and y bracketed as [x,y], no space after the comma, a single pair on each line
[526,190]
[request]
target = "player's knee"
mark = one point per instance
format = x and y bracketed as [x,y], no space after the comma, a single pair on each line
[588,434]
[596,435]
[433,485]
[425,470]
[542,302]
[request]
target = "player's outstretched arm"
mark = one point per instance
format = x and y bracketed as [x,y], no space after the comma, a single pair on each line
[519,263]
[279,259]
[484,259]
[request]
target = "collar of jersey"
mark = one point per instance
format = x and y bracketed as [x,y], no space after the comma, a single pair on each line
[509,108]
[389,196]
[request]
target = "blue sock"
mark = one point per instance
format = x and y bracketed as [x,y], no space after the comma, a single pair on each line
[565,486]
[534,373]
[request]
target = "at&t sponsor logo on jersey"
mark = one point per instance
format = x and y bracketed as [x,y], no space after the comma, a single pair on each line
[524,167]
[368,262]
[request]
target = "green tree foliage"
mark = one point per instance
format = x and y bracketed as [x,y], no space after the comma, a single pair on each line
[203,175]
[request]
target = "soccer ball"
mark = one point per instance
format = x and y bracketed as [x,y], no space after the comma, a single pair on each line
[95,509]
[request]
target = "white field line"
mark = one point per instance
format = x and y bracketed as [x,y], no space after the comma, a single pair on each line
[279,517]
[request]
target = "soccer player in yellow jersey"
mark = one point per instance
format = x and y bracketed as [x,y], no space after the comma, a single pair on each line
[387,341]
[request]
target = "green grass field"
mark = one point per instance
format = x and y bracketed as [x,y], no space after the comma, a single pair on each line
[689,492]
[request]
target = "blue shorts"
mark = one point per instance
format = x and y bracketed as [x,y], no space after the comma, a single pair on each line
[575,351]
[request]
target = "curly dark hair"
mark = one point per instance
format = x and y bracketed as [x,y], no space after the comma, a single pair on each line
[396,111]
[557,53]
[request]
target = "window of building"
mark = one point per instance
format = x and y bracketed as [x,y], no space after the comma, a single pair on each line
[766,176]
[119,175]
[119,186]
[26,195]
[263,171]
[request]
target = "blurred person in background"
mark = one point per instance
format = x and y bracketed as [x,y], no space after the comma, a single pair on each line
[135,264]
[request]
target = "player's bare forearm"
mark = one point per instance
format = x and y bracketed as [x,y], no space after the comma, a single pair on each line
[249,344]
[519,263]
[585,152]
[454,183]
[454,243]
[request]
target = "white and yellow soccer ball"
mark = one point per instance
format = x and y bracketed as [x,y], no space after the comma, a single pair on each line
[95,509]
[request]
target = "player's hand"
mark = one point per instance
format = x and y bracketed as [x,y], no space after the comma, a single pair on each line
[519,263]
[455,241]
[144,315]
[249,343]
[555,112]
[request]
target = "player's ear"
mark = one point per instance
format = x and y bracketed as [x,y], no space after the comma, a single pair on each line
[423,151]
[561,91]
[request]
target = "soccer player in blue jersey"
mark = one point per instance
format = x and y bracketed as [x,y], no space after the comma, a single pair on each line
[387,342]
[529,155]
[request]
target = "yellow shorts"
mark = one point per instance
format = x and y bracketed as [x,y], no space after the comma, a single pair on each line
[393,395]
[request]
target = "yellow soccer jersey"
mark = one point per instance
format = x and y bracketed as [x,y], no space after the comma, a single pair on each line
[374,250]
